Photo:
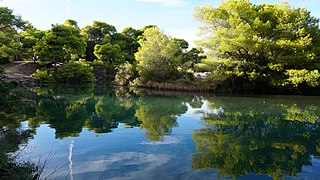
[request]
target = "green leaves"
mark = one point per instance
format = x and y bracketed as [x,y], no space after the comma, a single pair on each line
[9,24]
[61,43]
[8,20]
[111,54]
[296,77]
[157,59]
[259,36]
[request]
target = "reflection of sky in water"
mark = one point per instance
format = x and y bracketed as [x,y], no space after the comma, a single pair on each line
[126,153]
[123,154]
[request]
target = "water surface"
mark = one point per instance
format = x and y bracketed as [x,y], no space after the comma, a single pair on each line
[87,132]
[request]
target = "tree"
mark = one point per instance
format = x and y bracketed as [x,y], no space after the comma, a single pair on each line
[62,43]
[157,58]
[98,31]
[182,44]
[28,39]
[95,34]
[258,43]
[9,44]
[109,53]
[128,43]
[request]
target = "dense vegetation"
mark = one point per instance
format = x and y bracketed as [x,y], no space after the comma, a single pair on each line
[260,46]
[248,48]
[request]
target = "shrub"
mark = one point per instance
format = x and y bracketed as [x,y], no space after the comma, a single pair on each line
[125,74]
[45,75]
[72,72]
[75,71]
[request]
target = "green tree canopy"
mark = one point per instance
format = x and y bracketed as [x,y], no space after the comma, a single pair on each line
[9,24]
[259,42]
[157,57]
[62,43]
[95,34]
[109,53]
[8,20]
[98,30]
[182,44]
[29,38]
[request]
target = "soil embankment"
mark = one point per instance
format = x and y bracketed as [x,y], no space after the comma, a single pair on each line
[20,71]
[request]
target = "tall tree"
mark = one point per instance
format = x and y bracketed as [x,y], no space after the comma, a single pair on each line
[28,39]
[95,34]
[157,58]
[183,44]
[259,43]
[9,39]
[109,53]
[62,43]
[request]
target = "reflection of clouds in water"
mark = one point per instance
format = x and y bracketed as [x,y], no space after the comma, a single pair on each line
[204,109]
[166,140]
[70,160]
[130,162]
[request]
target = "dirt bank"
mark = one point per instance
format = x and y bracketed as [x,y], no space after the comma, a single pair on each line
[20,71]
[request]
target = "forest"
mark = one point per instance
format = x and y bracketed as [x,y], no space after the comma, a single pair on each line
[265,48]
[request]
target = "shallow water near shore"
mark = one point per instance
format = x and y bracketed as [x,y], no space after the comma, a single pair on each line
[86,132]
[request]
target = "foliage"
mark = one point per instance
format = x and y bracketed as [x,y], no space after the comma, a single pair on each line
[76,72]
[249,40]
[60,44]
[157,59]
[29,38]
[95,34]
[45,75]
[98,31]
[128,42]
[297,77]
[125,74]
[110,54]
[182,44]
[71,72]
[9,24]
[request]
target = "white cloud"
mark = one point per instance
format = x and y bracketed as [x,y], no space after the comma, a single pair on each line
[168,3]
[110,163]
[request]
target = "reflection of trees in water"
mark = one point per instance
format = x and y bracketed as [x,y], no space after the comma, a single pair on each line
[69,113]
[258,135]
[158,115]
[11,140]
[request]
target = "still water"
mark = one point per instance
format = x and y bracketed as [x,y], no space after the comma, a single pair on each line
[110,133]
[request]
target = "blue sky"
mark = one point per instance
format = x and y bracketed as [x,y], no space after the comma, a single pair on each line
[174,17]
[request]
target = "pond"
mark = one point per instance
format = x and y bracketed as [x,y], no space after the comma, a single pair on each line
[86,132]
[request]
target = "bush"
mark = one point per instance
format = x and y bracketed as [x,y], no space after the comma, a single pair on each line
[44,75]
[75,71]
[72,72]
[125,74]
